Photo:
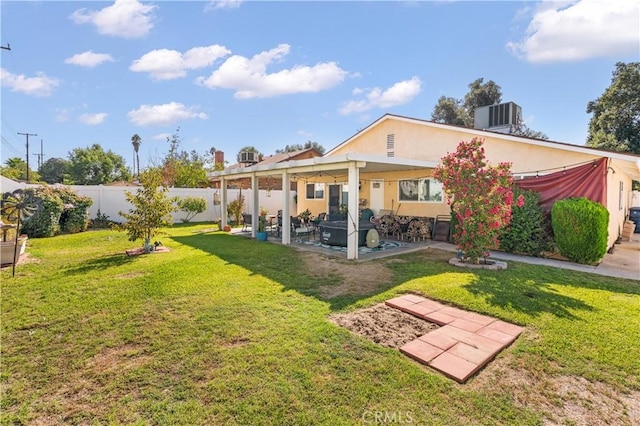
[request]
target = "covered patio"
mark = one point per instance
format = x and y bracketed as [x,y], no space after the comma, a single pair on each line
[345,168]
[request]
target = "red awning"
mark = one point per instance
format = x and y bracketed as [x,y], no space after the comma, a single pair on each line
[588,180]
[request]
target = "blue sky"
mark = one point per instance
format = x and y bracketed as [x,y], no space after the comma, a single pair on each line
[231,74]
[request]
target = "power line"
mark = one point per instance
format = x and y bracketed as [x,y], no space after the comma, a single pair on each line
[27,135]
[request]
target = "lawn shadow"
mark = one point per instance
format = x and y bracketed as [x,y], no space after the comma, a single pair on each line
[280,263]
[527,289]
[531,297]
[100,263]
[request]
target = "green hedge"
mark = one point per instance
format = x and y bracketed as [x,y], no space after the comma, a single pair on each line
[62,211]
[75,216]
[529,231]
[580,228]
[46,222]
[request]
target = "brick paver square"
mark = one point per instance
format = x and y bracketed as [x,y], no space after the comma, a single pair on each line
[420,351]
[454,312]
[453,366]
[470,353]
[505,327]
[480,319]
[484,343]
[438,317]
[434,306]
[455,333]
[439,340]
[466,325]
[413,298]
[419,310]
[399,303]
[497,336]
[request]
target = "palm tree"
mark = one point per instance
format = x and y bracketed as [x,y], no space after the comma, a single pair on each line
[136,141]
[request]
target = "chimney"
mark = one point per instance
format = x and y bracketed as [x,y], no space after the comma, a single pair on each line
[219,157]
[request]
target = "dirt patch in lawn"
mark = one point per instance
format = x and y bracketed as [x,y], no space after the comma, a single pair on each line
[384,325]
[343,277]
[563,399]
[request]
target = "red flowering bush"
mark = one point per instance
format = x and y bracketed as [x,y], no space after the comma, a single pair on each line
[483,198]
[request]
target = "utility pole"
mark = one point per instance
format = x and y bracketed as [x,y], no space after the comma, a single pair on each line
[27,135]
[40,155]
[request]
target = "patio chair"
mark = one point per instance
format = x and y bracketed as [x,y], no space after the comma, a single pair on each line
[246,221]
[300,230]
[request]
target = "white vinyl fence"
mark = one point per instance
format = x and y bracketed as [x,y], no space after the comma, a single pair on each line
[111,199]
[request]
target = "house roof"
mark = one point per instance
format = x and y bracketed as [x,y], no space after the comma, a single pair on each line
[629,162]
[335,163]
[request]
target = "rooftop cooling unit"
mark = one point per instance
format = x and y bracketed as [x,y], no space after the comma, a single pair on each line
[503,117]
[248,157]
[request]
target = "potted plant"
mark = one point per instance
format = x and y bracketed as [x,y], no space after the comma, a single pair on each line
[305,216]
[262,235]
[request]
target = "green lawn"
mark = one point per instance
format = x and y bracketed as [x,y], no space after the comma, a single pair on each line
[227,330]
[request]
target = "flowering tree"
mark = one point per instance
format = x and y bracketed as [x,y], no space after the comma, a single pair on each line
[482,198]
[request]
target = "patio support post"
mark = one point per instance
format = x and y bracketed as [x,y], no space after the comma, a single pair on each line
[286,212]
[256,205]
[223,202]
[353,216]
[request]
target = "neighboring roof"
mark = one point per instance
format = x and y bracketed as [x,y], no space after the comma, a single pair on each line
[632,169]
[286,156]
[282,157]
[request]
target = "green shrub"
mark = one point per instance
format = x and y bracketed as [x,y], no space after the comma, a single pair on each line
[192,205]
[580,229]
[235,208]
[75,216]
[529,231]
[46,222]
[101,221]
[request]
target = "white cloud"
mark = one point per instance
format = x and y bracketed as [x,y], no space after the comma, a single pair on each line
[165,64]
[124,18]
[93,119]
[163,115]
[88,59]
[223,4]
[40,85]
[398,94]
[577,30]
[250,79]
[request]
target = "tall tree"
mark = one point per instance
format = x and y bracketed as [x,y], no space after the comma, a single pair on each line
[94,166]
[136,141]
[449,110]
[615,124]
[480,94]
[16,168]
[54,170]
[460,112]
[183,169]
[300,147]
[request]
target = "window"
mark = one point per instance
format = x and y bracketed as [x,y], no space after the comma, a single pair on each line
[420,190]
[315,191]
